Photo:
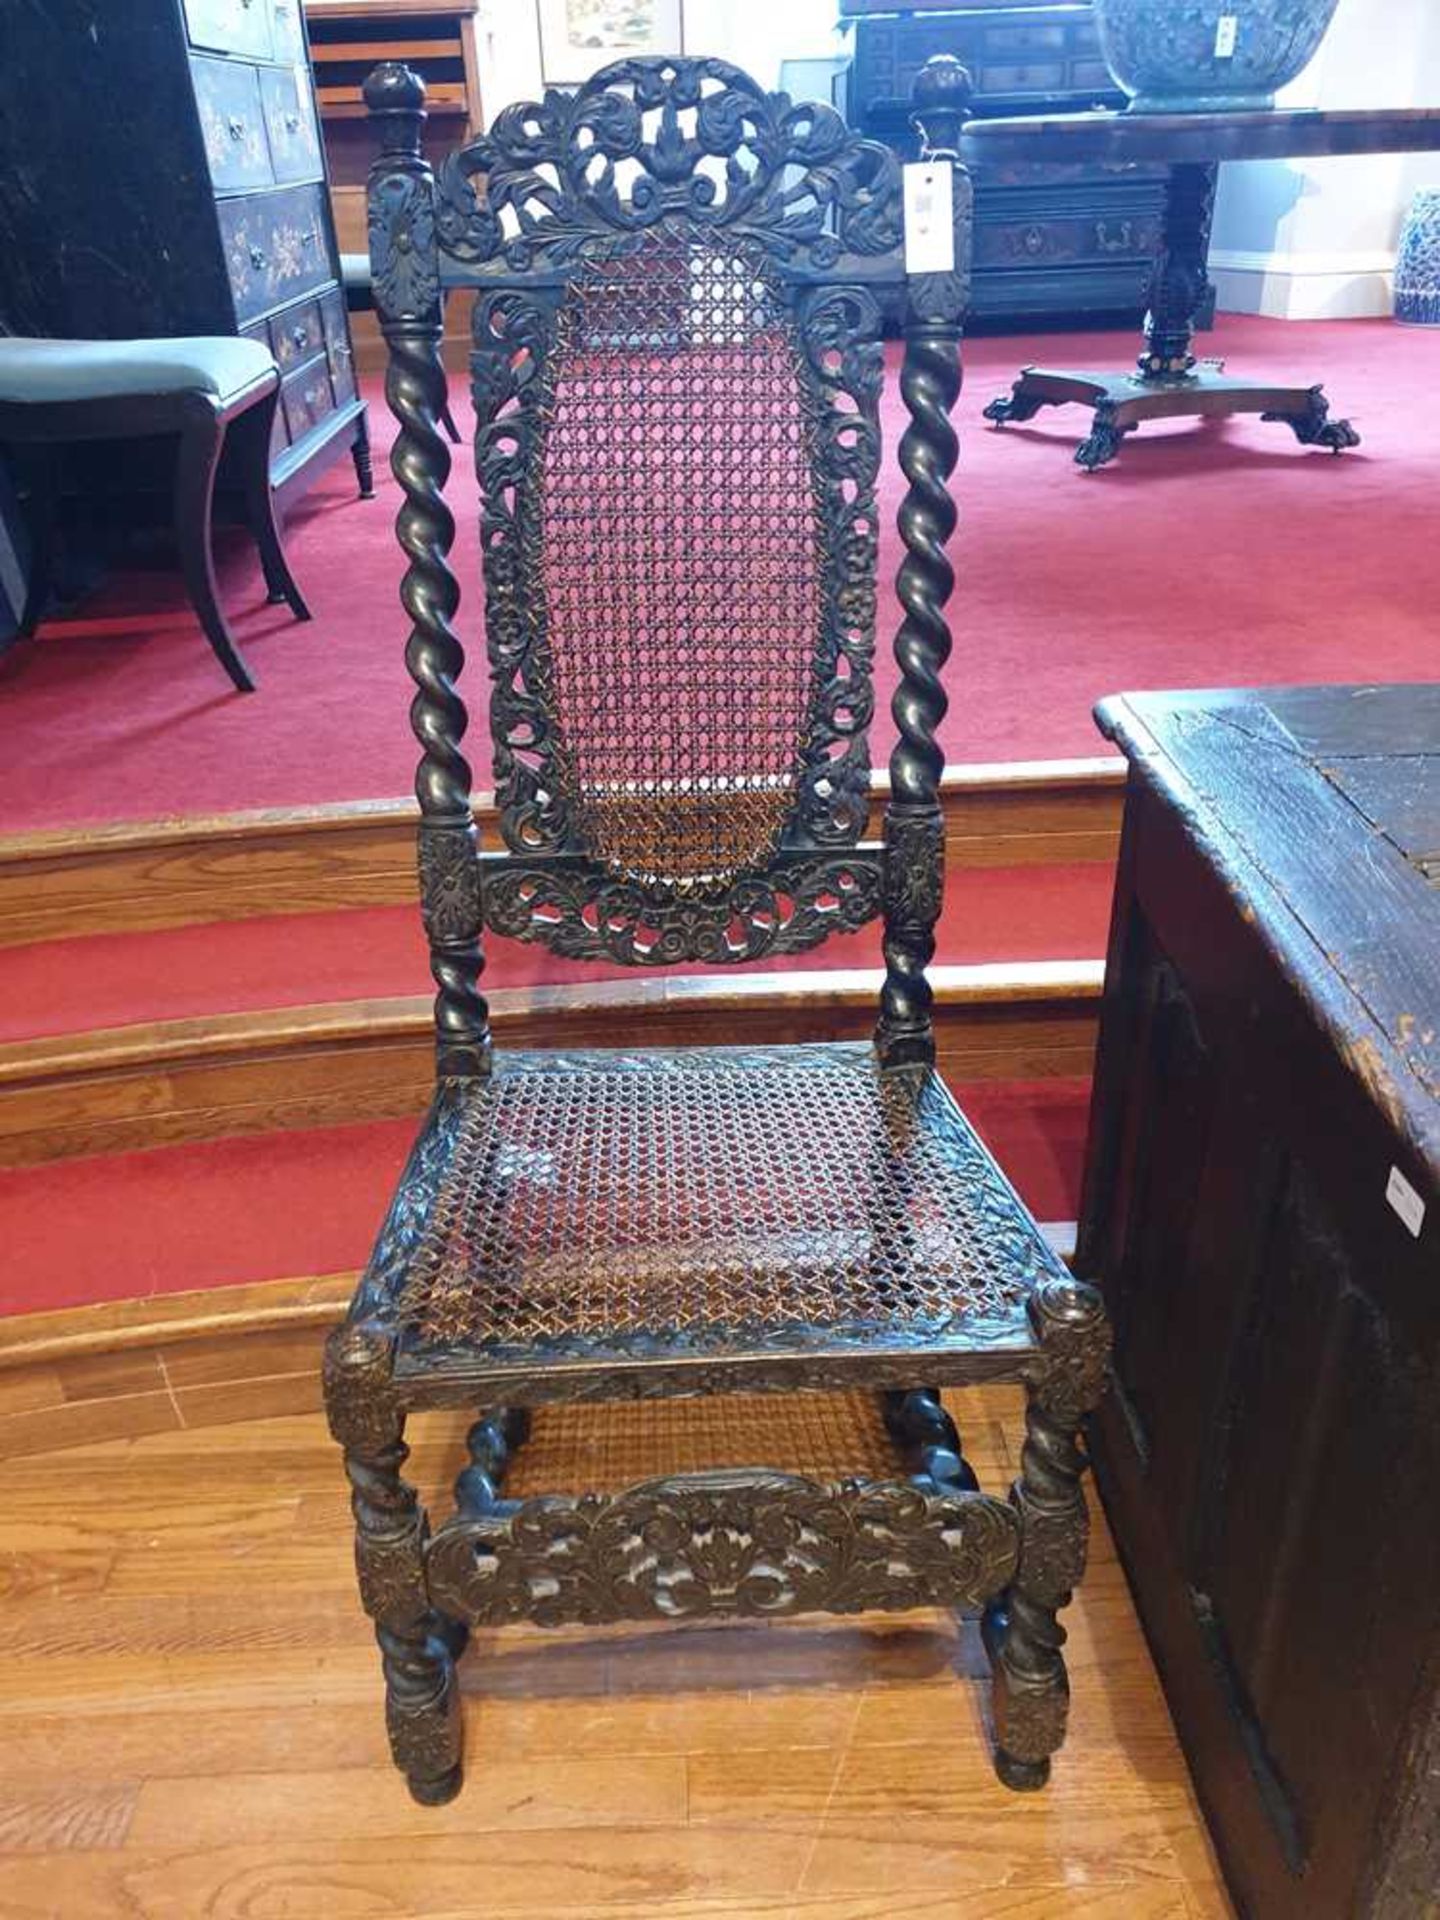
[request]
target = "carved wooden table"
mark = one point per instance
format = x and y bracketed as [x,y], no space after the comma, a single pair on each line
[1170,380]
[1262,1209]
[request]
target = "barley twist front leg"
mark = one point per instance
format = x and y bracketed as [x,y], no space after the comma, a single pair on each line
[422,1709]
[1023,1634]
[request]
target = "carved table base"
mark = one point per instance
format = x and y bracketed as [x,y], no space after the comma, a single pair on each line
[1123,400]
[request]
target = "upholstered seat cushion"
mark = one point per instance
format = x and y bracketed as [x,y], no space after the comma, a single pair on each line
[46,371]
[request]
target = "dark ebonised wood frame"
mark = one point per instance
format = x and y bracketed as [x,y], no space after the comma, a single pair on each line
[825,208]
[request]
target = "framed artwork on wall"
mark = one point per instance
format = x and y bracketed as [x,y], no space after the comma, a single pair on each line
[578,37]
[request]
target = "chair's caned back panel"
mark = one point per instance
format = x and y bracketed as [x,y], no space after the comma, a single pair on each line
[677,369]
[677,565]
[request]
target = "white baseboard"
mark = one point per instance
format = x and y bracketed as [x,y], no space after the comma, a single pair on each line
[1303,286]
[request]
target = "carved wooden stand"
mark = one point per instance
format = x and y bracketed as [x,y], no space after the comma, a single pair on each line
[1170,381]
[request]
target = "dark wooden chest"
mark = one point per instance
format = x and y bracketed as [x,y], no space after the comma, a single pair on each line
[1050,241]
[1262,1208]
[161,172]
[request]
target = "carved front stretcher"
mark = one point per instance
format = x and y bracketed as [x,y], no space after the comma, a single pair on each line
[728,1543]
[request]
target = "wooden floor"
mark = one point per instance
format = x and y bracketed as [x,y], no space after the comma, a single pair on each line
[190,1726]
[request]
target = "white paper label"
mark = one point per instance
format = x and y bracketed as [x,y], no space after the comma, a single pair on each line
[1406,1202]
[929,217]
[1227,27]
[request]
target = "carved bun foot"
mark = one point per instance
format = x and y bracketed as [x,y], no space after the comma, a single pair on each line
[435,1791]
[1021,1776]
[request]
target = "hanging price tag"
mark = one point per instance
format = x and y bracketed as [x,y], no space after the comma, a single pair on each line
[929,217]
[1227,29]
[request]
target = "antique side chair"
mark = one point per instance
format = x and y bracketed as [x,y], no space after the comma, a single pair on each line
[680,289]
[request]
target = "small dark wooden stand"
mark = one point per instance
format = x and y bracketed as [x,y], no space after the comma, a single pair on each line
[1170,381]
[1262,1212]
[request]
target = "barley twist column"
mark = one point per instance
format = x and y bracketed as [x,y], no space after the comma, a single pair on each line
[929,386]
[405,257]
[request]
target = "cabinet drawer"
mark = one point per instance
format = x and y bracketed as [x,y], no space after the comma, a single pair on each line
[227,96]
[307,397]
[1041,76]
[287,32]
[230,26]
[1022,40]
[1050,242]
[337,347]
[259,332]
[290,122]
[274,247]
[296,335]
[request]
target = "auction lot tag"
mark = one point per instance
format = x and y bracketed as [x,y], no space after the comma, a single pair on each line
[929,217]
[1406,1201]
[1227,29]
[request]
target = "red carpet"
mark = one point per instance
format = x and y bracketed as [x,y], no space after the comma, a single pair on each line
[115,980]
[1205,556]
[277,1205]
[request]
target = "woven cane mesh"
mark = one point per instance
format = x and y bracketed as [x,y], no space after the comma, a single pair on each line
[614,1444]
[601,1202]
[680,559]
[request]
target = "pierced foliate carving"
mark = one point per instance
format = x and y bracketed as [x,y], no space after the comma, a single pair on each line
[644,140]
[709,1545]
[731,575]
[796,905]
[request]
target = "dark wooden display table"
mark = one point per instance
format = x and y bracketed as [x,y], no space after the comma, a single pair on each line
[1170,380]
[1262,1209]
[1077,242]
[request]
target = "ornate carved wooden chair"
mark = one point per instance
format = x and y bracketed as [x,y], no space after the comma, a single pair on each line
[677,367]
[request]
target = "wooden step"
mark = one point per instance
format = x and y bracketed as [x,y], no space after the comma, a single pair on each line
[71,881]
[164,1082]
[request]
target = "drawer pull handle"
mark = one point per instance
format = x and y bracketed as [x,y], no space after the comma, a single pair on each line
[1121,243]
[258,258]
[311,239]
[236,126]
[292,123]
[299,336]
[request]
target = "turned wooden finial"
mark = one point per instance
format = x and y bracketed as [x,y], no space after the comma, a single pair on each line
[941,102]
[394,96]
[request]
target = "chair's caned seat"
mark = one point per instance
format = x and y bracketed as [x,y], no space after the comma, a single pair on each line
[46,371]
[700,1201]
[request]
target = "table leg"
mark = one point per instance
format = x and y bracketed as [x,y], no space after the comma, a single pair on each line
[1169,381]
[1177,284]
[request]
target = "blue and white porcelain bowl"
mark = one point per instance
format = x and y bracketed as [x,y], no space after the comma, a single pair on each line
[1417,266]
[1209,56]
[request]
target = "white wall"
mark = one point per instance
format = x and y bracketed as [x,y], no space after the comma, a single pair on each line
[754,34]
[1316,238]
